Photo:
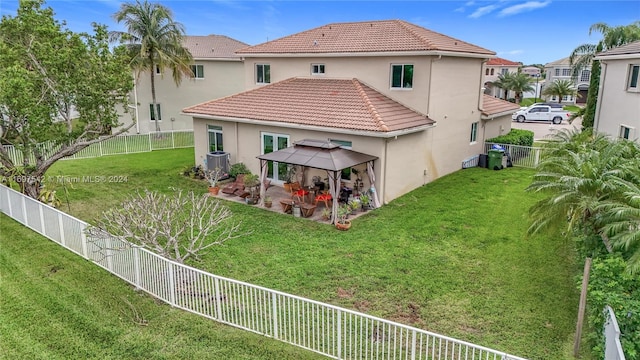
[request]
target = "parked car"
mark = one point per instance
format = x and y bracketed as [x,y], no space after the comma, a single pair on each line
[553,105]
[541,113]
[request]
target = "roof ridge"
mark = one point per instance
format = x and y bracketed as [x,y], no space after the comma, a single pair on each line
[369,104]
[405,26]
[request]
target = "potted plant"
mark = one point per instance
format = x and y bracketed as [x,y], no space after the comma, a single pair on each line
[354,204]
[251,182]
[268,201]
[290,177]
[326,214]
[365,199]
[213,176]
[342,223]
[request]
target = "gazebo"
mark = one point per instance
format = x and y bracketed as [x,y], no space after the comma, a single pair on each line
[323,155]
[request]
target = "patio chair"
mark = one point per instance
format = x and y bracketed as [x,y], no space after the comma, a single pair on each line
[236,186]
[324,197]
[297,192]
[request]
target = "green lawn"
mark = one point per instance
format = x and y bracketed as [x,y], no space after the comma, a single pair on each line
[55,305]
[451,257]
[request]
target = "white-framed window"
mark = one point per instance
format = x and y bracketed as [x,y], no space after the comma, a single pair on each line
[566,72]
[486,72]
[557,72]
[492,71]
[215,138]
[504,71]
[197,71]
[346,173]
[585,75]
[626,132]
[263,73]
[474,132]
[634,72]
[153,113]
[402,76]
[317,69]
[158,71]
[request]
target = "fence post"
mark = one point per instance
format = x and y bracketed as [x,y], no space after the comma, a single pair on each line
[42,231]
[61,227]
[126,145]
[537,158]
[150,146]
[216,285]
[339,354]
[173,140]
[9,202]
[109,253]
[24,209]
[83,240]
[172,285]
[136,266]
[274,314]
[100,147]
[413,345]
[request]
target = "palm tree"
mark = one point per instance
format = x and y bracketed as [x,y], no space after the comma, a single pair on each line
[502,83]
[519,83]
[560,88]
[580,171]
[583,55]
[153,39]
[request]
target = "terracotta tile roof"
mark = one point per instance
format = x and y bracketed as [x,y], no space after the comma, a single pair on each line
[364,37]
[213,46]
[345,104]
[631,48]
[495,106]
[501,61]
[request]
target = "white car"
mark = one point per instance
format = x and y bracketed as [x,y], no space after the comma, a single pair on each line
[541,113]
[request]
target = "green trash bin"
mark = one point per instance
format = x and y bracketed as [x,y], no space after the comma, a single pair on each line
[495,159]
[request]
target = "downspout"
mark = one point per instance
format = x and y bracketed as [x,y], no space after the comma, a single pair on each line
[480,102]
[603,75]
[384,170]
[429,84]
[135,99]
[238,139]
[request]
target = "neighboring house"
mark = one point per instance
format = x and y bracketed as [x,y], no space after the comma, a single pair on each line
[493,69]
[561,70]
[217,72]
[375,87]
[618,106]
[532,71]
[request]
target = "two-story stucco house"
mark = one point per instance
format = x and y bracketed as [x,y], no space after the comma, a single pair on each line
[408,96]
[493,69]
[217,71]
[618,107]
[561,70]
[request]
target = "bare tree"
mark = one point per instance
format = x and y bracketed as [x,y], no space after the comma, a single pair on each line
[175,226]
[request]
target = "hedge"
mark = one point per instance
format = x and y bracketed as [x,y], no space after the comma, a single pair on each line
[515,137]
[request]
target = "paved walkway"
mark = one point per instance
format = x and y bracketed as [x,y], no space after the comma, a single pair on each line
[541,129]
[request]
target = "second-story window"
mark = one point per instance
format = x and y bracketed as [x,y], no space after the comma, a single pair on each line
[486,72]
[504,71]
[197,71]
[557,72]
[402,76]
[492,71]
[566,72]
[585,75]
[317,69]
[263,73]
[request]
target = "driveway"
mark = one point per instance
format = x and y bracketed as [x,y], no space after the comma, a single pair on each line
[541,129]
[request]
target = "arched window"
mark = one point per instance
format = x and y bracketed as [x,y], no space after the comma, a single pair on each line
[486,72]
[491,71]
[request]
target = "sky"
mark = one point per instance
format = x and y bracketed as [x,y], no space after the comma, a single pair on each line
[528,31]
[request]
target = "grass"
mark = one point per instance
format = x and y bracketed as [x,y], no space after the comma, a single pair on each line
[571,108]
[57,306]
[451,257]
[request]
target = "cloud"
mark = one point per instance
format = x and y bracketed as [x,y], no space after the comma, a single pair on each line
[460,9]
[511,52]
[524,7]
[484,10]
[469,3]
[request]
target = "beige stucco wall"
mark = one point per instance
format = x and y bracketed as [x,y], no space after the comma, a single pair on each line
[456,87]
[221,78]
[617,106]
[374,71]
[496,126]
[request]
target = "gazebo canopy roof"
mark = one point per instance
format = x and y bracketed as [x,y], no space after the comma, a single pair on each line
[319,154]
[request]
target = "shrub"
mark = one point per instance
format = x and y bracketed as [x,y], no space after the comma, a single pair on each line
[515,137]
[238,168]
[610,284]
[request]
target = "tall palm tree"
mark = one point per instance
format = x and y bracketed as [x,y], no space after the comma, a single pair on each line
[520,83]
[153,39]
[560,88]
[583,55]
[503,83]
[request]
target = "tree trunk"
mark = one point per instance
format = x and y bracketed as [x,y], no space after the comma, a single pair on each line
[153,97]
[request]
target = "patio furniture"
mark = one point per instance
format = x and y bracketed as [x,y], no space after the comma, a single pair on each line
[287,206]
[236,186]
[324,197]
[307,209]
[298,192]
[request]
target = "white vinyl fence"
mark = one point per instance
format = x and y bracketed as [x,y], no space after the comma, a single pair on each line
[612,346]
[122,144]
[326,329]
[523,156]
